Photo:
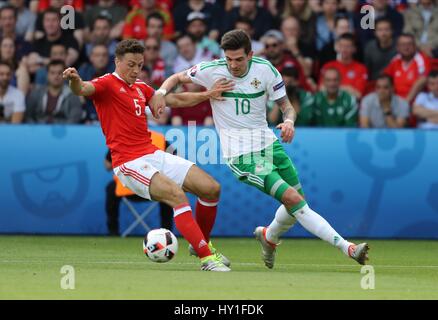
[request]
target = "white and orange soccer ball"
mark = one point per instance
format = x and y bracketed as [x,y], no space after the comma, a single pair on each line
[160,245]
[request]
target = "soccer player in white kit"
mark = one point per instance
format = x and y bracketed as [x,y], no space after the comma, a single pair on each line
[251,148]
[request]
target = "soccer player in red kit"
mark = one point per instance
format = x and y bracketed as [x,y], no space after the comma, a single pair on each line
[120,100]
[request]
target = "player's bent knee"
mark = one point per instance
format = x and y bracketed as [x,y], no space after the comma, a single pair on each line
[213,190]
[291,197]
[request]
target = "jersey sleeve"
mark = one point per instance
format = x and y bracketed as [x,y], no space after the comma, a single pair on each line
[200,75]
[101,85]
[276,88]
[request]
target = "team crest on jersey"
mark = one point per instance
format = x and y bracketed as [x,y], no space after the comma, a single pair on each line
[255,83]
[140,94]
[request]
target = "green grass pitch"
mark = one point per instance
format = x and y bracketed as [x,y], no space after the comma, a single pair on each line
[115,268]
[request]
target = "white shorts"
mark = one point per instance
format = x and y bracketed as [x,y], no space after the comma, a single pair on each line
[137,174]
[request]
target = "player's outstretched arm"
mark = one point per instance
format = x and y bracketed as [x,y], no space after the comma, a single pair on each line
[77,86]
[158,101]
[189,99]
[289,116]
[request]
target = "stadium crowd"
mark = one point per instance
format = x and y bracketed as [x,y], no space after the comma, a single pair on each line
[341,67]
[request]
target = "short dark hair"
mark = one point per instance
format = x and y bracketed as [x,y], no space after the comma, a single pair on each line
[290,72]
[5,63]
[381,20]
[407,35]
[101,17]
[347,36]
[186,35]
[129,46]
[333,69]
[56,62]
[9,7]
[236,39]
[51,10]
[433,74]
[385,76]
[155,15]
[245,20]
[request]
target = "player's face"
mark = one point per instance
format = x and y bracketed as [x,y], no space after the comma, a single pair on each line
[129,66]
[237,61]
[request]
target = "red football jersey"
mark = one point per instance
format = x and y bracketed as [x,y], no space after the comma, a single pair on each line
[354,74]
[405,75]
[121,110]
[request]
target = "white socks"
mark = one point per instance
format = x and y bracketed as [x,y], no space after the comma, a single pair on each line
[318,226]
[311,221]
[282,222]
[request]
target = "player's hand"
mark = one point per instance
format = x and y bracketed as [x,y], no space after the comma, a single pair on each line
[221,85]
[71,74]
[287,131]
[157,104]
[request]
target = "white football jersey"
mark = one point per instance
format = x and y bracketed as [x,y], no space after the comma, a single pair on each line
[241,119]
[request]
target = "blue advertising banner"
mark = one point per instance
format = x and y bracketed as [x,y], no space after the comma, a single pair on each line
[366,183]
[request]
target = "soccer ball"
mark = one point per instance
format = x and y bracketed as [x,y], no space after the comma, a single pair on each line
[160,245]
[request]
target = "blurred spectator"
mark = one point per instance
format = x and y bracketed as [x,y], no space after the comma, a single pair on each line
[78,5]
[280,58]
[112,205]
[328,52]
[408,68]
[115,13]
[57,52]
[20,75]
[353,74]
[200,114]
[100,64]
[77,31]
[301,100]
[426,104]
[382,108]
[168,50]
[8,21]
[154,63]
[100,34]
[54,103]
[261,19]
[325,23]
[381,10]
[301,50]
[189,54]
[25,20]
[422,22]
[12,103]
[213,14]
[197,28]
[334,107]
[53,34]
[301,10]
[380,51]
[136,20]
[245,24]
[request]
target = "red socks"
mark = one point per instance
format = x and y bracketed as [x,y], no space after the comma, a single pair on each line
[190,230]
[206,216]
